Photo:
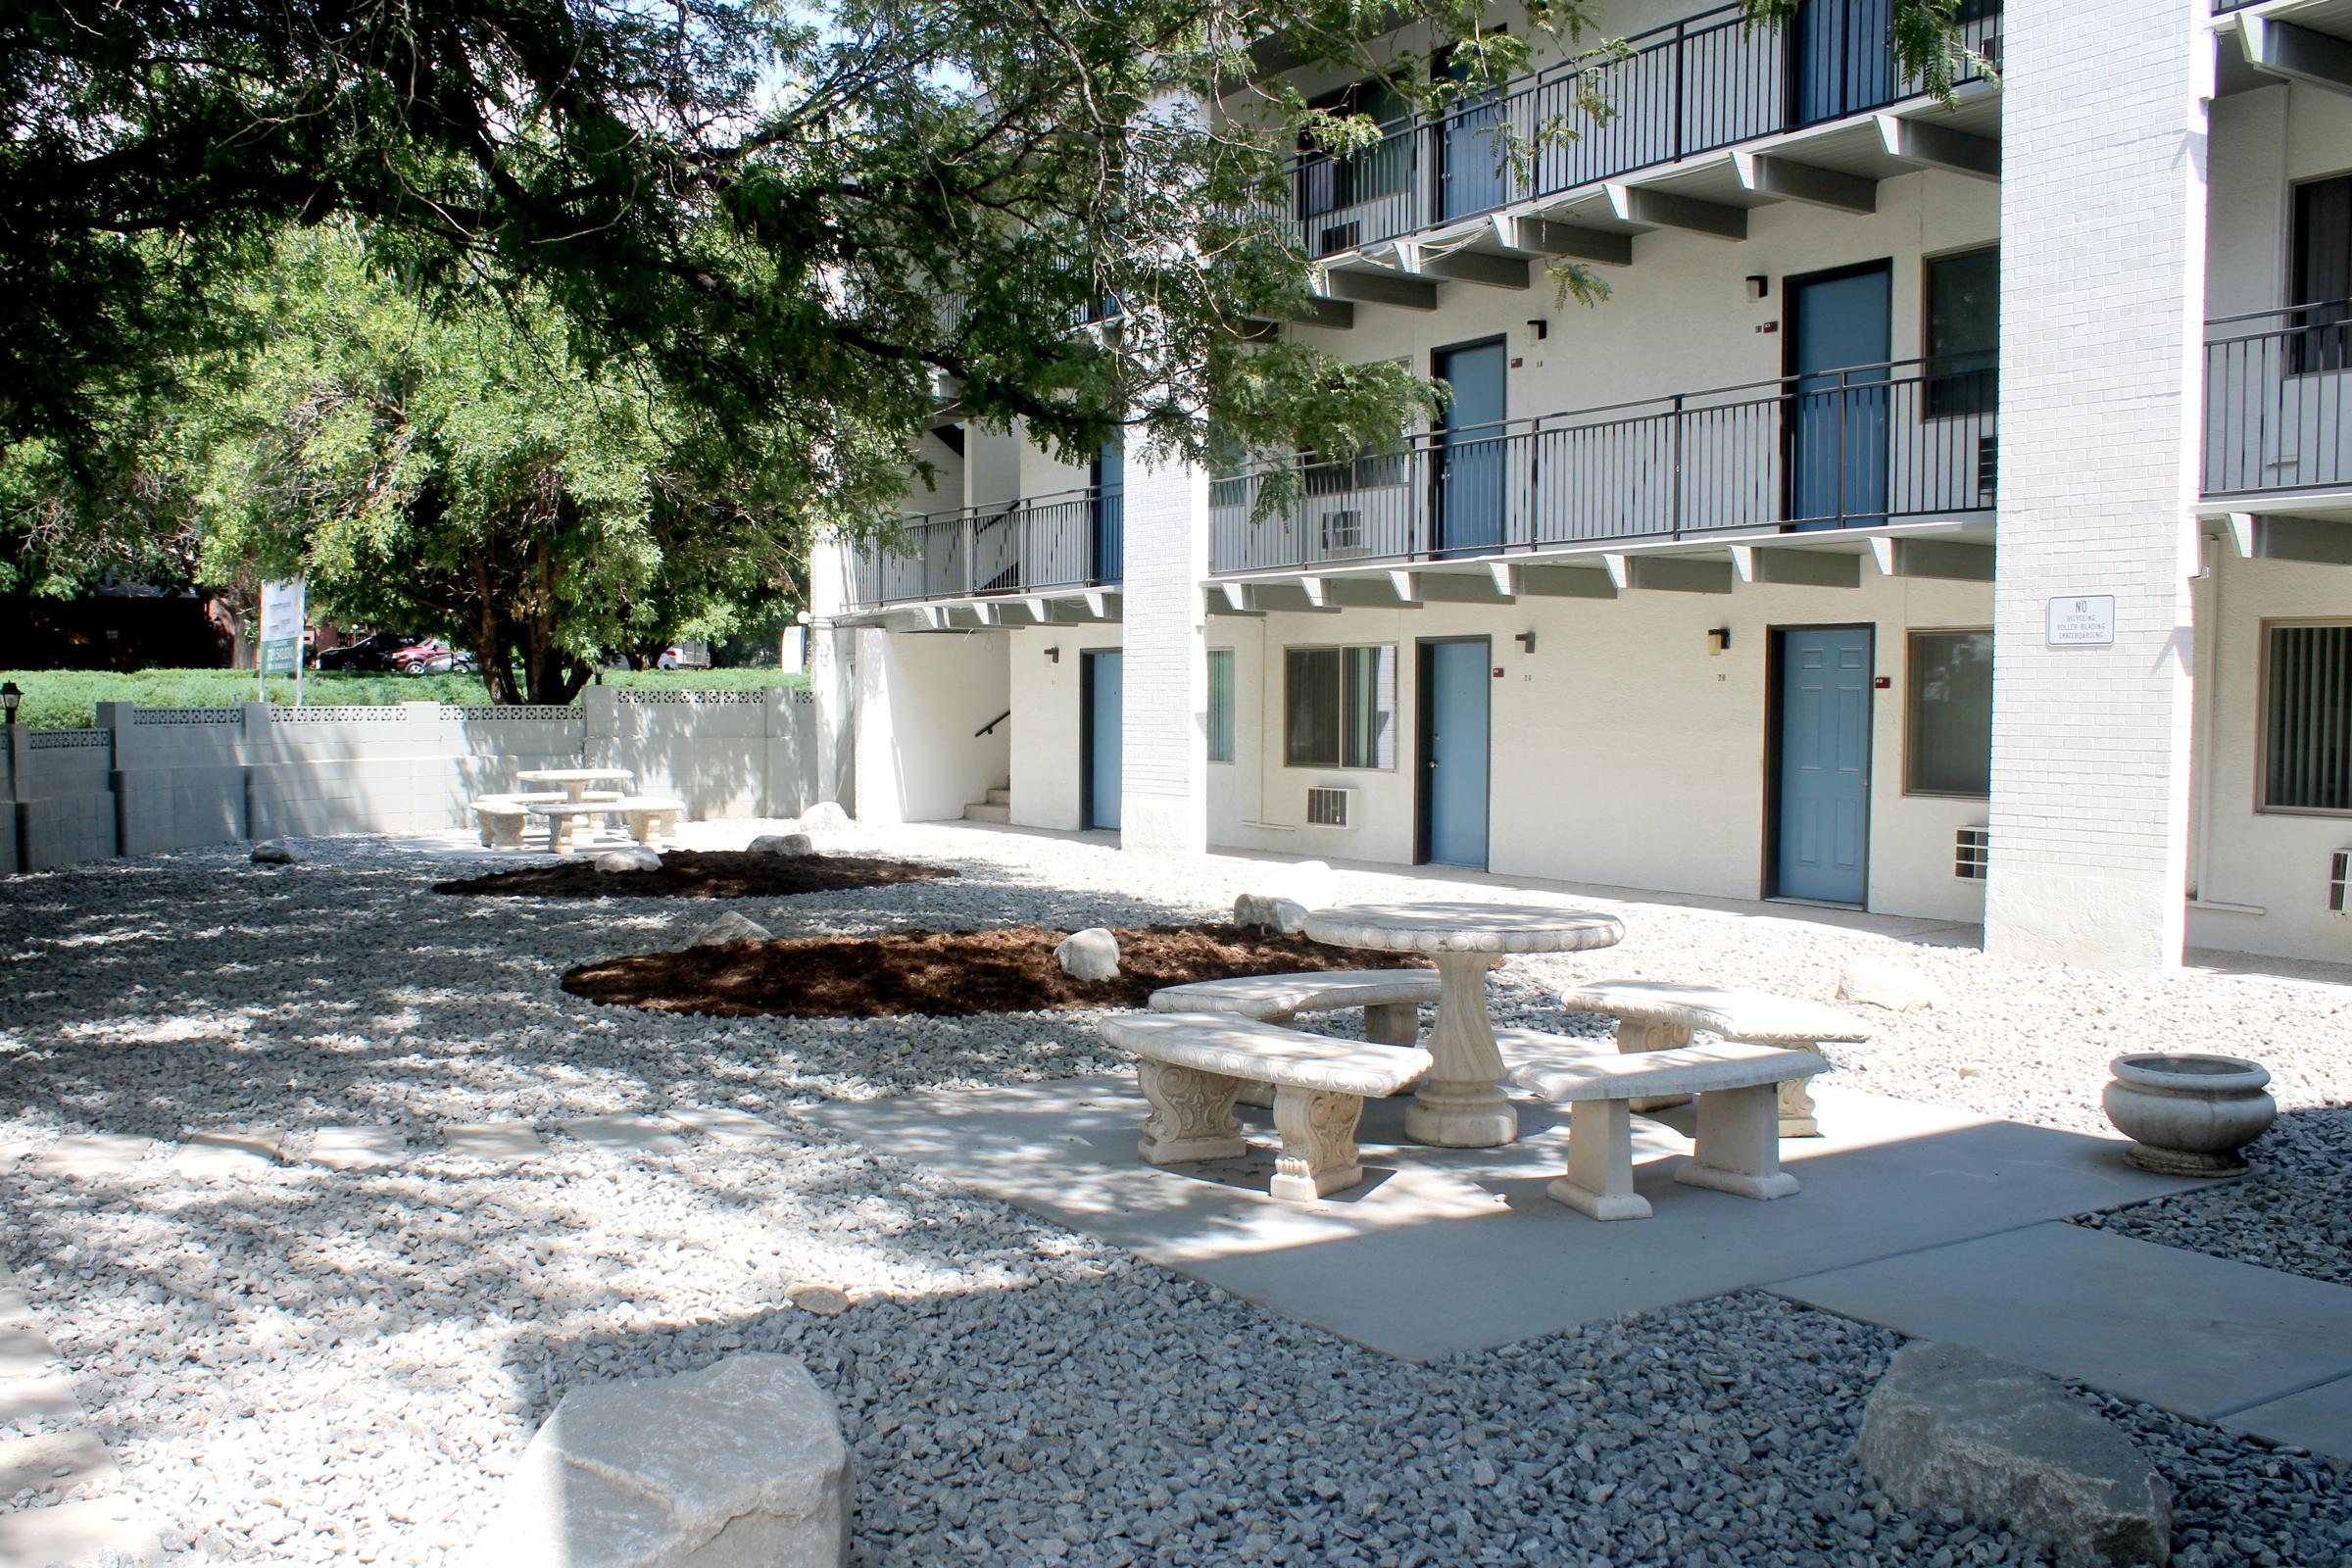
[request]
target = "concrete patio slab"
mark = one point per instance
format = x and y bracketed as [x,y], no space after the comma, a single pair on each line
[357,1148]
[2318,1419]
[625,1135]
[89,1154]
[61,1460]
[492,1140]
[1888,1177]
[2201,1336]
[25,1352]
[79,1534]
[46,1400]
[724,1122]
[216,1151]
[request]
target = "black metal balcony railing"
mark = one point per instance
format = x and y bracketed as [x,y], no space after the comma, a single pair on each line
[1697,85]
[1075,539]
[2278,400]
[1843,449]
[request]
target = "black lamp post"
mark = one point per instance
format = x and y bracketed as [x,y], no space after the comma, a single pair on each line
[10,696]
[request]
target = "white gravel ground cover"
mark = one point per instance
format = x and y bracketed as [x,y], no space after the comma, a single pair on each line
[318,1366]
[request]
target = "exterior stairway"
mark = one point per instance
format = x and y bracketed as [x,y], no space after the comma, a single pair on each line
[998,807]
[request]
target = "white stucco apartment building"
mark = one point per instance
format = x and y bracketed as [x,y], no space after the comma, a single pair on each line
[1948,513]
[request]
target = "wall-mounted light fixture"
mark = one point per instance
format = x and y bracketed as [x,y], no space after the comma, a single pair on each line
[1538,328]
[1526,640]
[1055,653]
[1759,286]
[1719,640]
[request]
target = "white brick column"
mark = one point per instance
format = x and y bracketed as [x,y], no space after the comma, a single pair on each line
[1163,779]
[2103,302]
[832,673]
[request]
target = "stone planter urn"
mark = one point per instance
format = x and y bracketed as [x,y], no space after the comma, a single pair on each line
[2188,1114]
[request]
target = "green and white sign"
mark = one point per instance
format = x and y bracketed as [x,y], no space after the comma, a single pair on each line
[280,644]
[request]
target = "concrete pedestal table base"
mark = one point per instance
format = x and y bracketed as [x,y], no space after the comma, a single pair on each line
[1461,1103]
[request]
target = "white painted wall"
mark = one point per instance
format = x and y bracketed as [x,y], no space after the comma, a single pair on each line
[921,695]
[1046,721]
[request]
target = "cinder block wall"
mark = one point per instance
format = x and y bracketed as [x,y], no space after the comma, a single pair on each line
[153,779]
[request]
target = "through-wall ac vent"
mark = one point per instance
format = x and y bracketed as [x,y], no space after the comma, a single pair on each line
[1328,806]
[1971,852]
[2340,882]
[1344,532]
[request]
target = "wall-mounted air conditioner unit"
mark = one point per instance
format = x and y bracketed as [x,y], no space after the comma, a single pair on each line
[1343,533]
[1971,853]
[1328,805]
[2340,882]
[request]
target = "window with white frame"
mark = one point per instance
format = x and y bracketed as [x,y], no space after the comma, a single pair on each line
[1947,747]
[1340,707]
[1220,704]
[2307,716]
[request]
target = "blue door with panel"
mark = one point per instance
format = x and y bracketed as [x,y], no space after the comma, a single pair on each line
[1473,175]
[1824,827]
[1837,432]
[1472,453]
[1107,551]
[1455,688]
[1102,707]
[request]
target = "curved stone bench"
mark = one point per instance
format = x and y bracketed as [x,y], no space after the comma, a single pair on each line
[499,819]
[1660,1016]
[1191,1065]
[1392,1001]
[1739,1147]
[647,817]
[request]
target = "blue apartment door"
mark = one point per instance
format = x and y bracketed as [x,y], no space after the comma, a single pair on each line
[1470,175]
[1841,59]
[1837,431]
[1099,700]
[1824,819]
[1108,544]
[1454,691]
[1471,450]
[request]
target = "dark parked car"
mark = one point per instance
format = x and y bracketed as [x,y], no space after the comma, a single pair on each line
[374,652]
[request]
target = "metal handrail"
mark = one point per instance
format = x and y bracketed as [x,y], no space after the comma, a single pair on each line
[992,723]
[2278,402]
[1067,539]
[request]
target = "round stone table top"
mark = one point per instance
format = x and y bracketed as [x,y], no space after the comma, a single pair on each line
[1501,928]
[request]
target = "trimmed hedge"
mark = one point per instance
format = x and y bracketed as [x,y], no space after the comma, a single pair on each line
[68,699]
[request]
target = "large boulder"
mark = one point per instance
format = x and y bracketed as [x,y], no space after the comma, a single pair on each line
[1883,983]
[1268,911]
[1307,882]
[730,927]
[1089,954]
[739,1465]
[1948,1427]
[781,844]
[274,851]
[635,858]
[825,816]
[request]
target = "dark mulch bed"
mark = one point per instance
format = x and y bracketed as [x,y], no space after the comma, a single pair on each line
[699,875]
[943,972]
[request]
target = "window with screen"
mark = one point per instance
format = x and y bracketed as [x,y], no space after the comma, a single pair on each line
[1949,734]
[1964,331]
[1340,707]
[2307,717]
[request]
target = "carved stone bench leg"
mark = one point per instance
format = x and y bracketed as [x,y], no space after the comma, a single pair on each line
[1600,1163]
[641,826]
[559,834]
[1633,1035]
[1318,1144]
[503,831]
[1192,1115]
[1738,1144]
[1393,1023]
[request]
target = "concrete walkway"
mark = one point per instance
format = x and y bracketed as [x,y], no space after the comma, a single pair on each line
[1934,1222]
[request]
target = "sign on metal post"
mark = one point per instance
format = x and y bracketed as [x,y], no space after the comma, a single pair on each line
[281,635]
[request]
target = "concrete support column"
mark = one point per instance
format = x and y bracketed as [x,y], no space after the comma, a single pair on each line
[2102,307]
[1163,780]
[832,674]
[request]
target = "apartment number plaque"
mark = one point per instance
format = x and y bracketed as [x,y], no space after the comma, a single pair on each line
[2082,620]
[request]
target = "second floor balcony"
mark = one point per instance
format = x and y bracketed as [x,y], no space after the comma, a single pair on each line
[1863,447]
[2278,403]
[1071,540]
[1702,84]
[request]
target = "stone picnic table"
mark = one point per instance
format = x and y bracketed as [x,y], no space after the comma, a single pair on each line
[577,782]
[1460,1104]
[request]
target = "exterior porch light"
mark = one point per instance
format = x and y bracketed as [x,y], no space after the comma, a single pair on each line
[1526,640]
[11,695]
[1719,641]
[1055,653]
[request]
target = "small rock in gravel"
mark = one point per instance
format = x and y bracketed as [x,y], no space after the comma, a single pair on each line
[635,858]
[1882,983]
[826,1300]
[1266,911]
[730,927]
[274,851]
[1089,954]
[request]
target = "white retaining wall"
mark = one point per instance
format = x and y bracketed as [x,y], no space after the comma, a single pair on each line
[151,780]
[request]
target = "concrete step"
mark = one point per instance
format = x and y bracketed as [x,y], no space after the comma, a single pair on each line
[1000,796]
[979,811]
[79,1535]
